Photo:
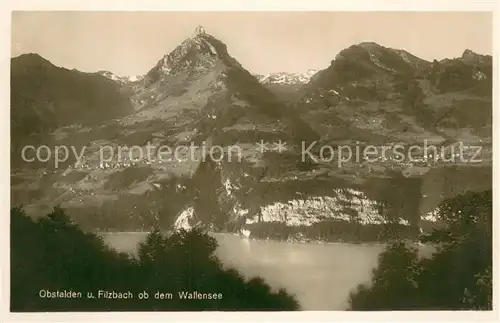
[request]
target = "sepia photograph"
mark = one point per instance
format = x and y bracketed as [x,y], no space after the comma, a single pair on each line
[251,161]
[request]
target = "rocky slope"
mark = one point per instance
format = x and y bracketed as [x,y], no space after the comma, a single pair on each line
[45,97]
[402,92]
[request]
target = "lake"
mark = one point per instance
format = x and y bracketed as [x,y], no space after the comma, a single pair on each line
[320,275]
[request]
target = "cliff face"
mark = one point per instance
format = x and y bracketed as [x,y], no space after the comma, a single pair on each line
[274,202]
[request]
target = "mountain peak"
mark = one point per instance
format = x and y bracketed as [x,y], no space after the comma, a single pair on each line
[470,57]
[31,57]
[468,52]
[200,30]
[370,45]
[197,54]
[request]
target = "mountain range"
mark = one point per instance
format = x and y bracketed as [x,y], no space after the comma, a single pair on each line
[199,95]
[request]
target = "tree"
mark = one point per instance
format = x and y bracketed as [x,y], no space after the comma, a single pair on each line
[185,261]
[456,276]
[53,254]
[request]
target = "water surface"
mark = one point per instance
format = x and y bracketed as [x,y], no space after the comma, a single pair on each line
[319,275]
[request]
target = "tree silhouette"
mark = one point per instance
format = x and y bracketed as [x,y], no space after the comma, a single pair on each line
[457,276]
[53,254]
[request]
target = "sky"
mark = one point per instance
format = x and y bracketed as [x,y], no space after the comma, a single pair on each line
[131,43]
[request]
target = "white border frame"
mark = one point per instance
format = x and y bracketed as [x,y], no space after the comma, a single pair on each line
[231,5]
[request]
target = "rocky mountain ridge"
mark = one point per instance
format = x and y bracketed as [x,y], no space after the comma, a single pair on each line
[198,94]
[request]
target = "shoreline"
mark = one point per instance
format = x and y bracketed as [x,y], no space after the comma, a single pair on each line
[298,242]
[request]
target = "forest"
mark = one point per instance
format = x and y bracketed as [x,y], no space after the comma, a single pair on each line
[458,276]
[53,254]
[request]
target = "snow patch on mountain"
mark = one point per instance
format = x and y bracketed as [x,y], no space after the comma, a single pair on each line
[135,78]
[110,75]
[212,48]
[375,59]
[287,78]
[405,56]
[120,79]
